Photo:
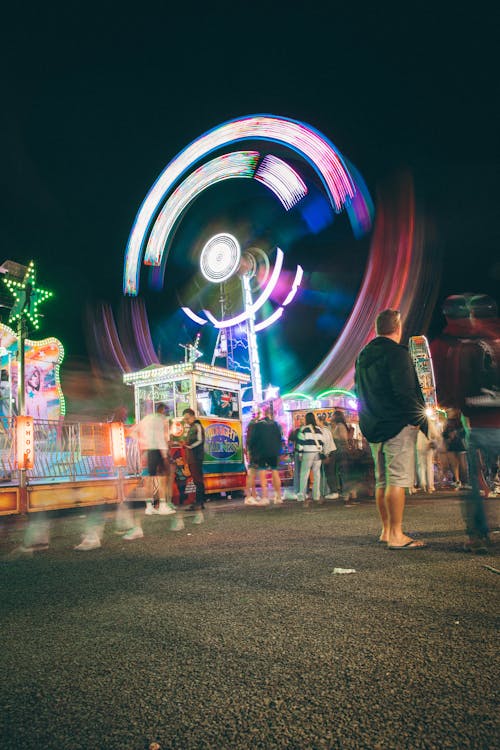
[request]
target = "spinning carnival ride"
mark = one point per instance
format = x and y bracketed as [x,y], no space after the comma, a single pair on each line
[266,286]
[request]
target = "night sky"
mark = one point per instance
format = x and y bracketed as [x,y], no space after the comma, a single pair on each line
[97,102]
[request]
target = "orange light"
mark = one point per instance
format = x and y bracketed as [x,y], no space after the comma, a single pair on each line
[25,439]
[118,444]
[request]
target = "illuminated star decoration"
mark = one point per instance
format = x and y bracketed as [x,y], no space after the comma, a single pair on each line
[27,297]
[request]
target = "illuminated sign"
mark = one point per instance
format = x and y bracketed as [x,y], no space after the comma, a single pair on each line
[222,442]
[25,438]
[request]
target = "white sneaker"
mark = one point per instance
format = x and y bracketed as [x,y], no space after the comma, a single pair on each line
[278,500]
[263,501]
[135,533]
[290,495]
[149,508]
[166,509]
[332,496]
[300,498]
[177,524]
[198,517]
[88,543]
[251,500]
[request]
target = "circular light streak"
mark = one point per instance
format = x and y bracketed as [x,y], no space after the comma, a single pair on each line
[220,257]
[306,141]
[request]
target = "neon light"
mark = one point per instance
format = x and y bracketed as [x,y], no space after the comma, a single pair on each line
[27,296]
[304,140]
[220,257]
[238,164]
[284,181]
[295,395]
[270,320]
[258,302]
[337,392]
[193,316]
[296,283]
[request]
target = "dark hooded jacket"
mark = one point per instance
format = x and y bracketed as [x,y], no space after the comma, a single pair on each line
[388,391]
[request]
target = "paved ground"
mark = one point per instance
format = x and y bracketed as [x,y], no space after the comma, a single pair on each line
[237,634]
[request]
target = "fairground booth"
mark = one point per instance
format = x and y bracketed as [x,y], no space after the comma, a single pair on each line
[214,393]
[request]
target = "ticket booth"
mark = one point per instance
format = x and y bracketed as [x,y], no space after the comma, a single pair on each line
[214,394]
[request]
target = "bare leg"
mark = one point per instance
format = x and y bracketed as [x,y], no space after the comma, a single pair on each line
[395,504]
[382,511]
[276,483]
[251,487]
[263,482]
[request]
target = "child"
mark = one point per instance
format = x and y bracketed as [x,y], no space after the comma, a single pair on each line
[182,475]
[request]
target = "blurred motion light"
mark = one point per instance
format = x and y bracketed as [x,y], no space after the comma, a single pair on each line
[306,141]
[284,181]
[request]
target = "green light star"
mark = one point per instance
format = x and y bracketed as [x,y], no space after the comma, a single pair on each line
[27,297]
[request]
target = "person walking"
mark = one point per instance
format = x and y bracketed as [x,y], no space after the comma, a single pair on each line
[391,411]
[264,446]
[466,359]
[153,435]
[195,449]
[311,447]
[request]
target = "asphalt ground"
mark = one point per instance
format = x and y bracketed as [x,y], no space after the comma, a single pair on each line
[238,634]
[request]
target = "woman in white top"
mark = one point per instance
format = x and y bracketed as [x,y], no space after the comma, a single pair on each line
[310,445]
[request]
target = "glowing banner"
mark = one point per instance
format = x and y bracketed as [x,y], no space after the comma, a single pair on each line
[118,444]
[25,441]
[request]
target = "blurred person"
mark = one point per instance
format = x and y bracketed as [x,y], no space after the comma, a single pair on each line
[426,453]
[195,450]
[454,443]
[391,411]
[265,447]
[293,441]
[329,463]
[311,448]
[153,435]
[342,436]
[466,360]
[251,483]
[181,476]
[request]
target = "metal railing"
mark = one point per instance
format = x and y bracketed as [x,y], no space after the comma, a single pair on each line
[65,451]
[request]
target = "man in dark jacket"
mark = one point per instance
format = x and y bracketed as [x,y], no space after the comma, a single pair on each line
[391,411]
[195,449]
[264,446]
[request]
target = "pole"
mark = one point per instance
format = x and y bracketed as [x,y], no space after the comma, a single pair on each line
[21,334]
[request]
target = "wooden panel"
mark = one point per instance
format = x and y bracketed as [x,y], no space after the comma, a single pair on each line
[9,500]
[70,495]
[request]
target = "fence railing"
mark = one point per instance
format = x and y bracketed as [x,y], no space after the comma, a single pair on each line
[68,451]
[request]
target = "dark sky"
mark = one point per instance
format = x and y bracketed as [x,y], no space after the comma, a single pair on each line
[98,99]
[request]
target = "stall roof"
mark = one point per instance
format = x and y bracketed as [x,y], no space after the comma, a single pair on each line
[162,373]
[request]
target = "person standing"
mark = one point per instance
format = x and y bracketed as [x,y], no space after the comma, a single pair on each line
[293,441]
[195,449]
[329,463]
[341,436]
[311,446]
[251,483]
[391,411]
[264,446]
[454,441]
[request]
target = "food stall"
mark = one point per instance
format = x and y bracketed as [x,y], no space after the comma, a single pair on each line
[214,393]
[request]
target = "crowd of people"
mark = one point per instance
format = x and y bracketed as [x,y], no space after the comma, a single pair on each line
[399,449]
